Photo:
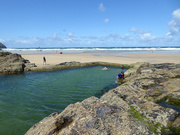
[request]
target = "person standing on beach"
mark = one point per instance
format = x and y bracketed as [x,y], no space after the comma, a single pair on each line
[44,60]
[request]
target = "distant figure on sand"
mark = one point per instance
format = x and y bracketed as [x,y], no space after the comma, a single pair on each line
[120,77]
[105,68]
[44,60]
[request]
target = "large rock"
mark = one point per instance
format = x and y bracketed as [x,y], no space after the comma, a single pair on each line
[132,108]
[2,46]
[90,117]
[13,63]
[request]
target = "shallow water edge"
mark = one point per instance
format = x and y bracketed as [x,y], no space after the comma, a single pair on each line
[69,65]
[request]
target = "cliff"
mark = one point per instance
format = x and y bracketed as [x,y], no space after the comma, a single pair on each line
[146,103]
[2,46]
[13,64]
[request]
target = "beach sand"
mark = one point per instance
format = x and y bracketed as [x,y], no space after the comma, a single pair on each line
[53,59]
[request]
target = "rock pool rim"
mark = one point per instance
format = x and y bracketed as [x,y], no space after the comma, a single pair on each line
[74,64]
[71,65]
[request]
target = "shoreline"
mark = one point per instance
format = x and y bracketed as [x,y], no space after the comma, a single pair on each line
[54,59]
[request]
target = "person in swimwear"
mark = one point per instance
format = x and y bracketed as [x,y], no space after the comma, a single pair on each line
[105,68]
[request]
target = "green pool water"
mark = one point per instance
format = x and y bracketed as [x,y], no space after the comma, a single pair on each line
[28,98]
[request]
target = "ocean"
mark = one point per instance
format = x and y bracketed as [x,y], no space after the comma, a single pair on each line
[27,98]
[108,50]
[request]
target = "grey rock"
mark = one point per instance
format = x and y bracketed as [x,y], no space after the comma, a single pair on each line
[13,63]
[69,63]
[29,66]
[91,116]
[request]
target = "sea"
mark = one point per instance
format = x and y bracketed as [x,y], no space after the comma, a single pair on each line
[107,50]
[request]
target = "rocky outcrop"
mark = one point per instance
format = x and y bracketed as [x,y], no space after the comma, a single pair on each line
[13,63]
[2,46]
[146,103]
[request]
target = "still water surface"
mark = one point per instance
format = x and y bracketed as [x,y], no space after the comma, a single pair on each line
[28,98]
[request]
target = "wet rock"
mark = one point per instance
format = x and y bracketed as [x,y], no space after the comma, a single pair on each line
[91,116]
[176,123]
[29,67]
[134,70]
[154,93]
[69,63]
[166,66]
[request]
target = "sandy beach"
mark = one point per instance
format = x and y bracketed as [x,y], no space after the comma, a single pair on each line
[53,59]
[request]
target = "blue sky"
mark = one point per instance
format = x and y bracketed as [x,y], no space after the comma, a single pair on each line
[89,23]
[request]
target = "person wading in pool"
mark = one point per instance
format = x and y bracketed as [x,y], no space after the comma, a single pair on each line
[120,77]
[122,67]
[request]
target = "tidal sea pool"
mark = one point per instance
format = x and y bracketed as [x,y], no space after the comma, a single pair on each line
[27,98]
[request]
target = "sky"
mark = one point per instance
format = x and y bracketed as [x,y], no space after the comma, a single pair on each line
[89,23]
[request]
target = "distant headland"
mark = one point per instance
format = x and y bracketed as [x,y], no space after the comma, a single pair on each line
[2,46]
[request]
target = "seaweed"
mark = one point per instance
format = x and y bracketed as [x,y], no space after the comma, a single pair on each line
[152,127]
[169,99]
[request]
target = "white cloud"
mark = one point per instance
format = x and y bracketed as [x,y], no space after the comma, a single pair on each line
[113,36]
[116,38]
[54,35]
[176,16]
[134,29]
[127,37]
[101,7]
[71,39]
[174,25]
[27,41]
[169,35]
[1,40]
[106,20]
[143,31]
[89,37]
[70,34]
[146,37]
